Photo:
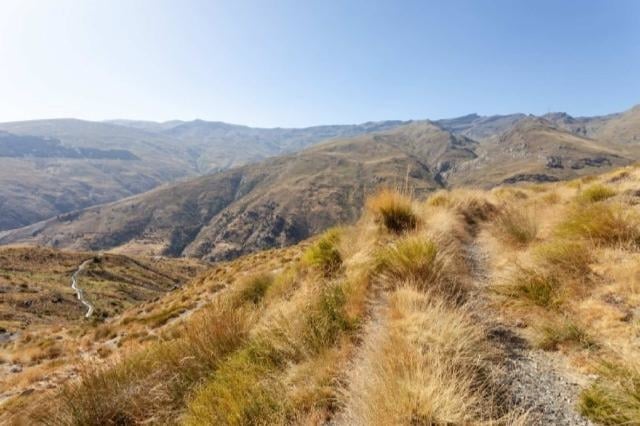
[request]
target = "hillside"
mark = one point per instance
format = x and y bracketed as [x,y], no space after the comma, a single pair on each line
[516,305]
[286,199]
[51,167]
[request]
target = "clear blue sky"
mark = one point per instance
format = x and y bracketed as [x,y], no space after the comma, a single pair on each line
[302,62]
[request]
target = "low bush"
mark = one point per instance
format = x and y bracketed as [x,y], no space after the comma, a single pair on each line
[394,210]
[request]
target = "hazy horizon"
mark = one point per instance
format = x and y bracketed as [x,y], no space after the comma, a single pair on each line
[287,64]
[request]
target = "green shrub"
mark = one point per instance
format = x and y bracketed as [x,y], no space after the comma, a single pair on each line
[394,210]
[324,254]
[595,193]
[614,398]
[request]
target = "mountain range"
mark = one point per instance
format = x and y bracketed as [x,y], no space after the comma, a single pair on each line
[247,202]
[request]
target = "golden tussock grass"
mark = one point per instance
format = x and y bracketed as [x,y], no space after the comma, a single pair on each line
[614,398]
[428,355]
[516,226]
[602,224]
[595,193]
[394,210]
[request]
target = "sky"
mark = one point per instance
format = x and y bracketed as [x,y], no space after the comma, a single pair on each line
[292,63]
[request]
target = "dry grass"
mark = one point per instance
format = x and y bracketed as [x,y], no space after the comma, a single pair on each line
[614,399]
[516,227]
[153,383]
[419,260]
[595,193]
[429,357]
[603,224]
[325,255]
[565,256]
[394,210]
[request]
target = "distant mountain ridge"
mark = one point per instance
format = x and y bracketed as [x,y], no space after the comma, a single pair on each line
[285,199]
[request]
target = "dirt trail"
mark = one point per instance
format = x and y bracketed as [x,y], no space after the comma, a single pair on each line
[79,291]
[538,382]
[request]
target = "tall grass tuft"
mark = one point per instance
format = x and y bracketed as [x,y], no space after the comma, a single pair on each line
[516,227]
[595,193]
[601,223]
[554,334]
[394,210]
[419,260]
[534,287]
[614,398]
[565,256]
[253,288]
[324,255]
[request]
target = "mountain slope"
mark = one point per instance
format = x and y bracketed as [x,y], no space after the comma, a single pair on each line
[49,167]
[277,202]
[470,307]
[284,200]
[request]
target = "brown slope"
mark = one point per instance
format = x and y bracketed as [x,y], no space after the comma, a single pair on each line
[536,150]
[277,202]
[286,199]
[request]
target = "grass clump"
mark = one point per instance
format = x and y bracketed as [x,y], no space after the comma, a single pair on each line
[415,259]
[595,193]
[327,319]
[243,391]
[534,287]
[614,398]
[553,335]
[601,223]
[516,227]
[565,256]
[324,255]
[394,210]
[254,288]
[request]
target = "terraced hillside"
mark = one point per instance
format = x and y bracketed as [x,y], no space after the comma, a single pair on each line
[515,305]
